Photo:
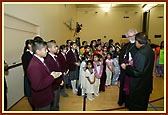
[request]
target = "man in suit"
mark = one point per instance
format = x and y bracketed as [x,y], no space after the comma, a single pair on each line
[41,79]
[141,74]
[53,65]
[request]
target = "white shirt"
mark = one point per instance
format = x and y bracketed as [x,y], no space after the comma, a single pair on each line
[52,55]
[29,51]
[109,63]
[40,58]
[63,55]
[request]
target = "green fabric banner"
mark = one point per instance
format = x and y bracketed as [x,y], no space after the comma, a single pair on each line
[161,60]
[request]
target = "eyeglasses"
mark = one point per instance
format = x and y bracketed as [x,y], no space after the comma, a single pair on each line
[131,36]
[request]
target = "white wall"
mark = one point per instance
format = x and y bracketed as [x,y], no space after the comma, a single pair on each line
[49,17]
[22,22]
[111,24]
[156,24]
[16,31]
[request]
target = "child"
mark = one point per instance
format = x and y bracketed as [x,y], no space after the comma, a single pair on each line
[62,59]
[82,78]
[109,69]
[26,57]
[98,69]
[116,69]
[53,65]
[90,80]
[73,63]
[41,78]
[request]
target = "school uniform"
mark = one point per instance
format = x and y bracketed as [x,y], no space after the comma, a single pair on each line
[53,65]
[72,58]
[61,58]
[26,57]
[41,83]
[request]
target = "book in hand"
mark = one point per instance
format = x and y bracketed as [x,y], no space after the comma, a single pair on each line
[56,74]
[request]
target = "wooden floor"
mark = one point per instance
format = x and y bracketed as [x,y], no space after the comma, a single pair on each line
[106,101]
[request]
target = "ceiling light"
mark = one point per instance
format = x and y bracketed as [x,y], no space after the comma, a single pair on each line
[147,7]
[106,7]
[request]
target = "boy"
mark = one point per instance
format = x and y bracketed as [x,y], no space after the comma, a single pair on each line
[53,65]
[41,78]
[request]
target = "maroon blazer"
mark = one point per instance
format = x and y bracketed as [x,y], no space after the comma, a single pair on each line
[41,83]
[71,60]
[63,62]
[52,66]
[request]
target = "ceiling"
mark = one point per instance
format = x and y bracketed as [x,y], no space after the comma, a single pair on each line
[113,5]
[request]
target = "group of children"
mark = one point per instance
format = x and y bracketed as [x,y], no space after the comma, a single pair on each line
[99,67]
[50,68]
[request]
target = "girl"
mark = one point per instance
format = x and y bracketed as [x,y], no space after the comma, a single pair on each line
[73,63]
[62,59]
[109,69]
[159,67]
[98,68]
[116,69]
[26,57]
[90,80]
[93,45]
[82,78]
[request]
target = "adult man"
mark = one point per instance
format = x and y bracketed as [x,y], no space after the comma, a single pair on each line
[128,49]
[141,74]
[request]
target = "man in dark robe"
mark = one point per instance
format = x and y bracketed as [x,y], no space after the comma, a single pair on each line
[141,74]
[128,48]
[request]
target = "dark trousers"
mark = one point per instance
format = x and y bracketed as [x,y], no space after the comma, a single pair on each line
[55,104]
[122,96]
[46,108]
[138,101]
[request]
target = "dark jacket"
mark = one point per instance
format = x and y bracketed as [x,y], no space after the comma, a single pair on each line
[141,72]
[41,83]
[52,66]
[63,62]
[71,60]
[128,47]
[26,58]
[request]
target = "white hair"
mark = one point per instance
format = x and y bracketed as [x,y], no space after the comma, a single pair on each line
[131,31]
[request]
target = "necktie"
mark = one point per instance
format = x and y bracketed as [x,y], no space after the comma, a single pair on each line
[56,61]
[75,56]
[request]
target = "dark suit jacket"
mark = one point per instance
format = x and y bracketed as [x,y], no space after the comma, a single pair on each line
[41,83]
[71,60]
[141,74]
[52,66]
[63,62]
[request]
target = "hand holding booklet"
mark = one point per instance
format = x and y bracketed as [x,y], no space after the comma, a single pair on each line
[56,74]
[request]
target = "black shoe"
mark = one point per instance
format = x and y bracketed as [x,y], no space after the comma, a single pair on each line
[120,104]
[67,86]
[64,94]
